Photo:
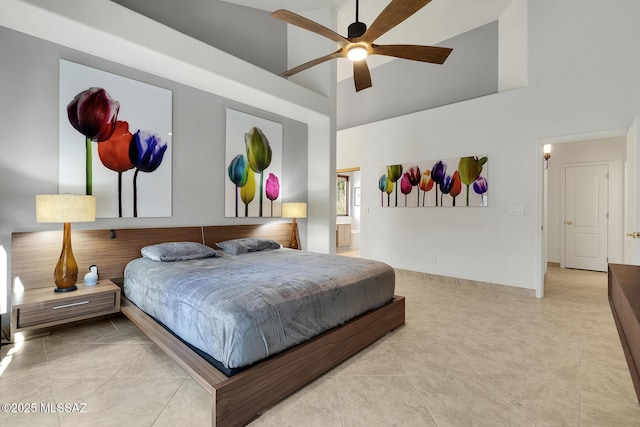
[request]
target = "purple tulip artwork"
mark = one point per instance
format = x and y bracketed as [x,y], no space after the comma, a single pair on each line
[480,186]
[438,174]
[126,125]
[253,166]
[436,183]
[146,152]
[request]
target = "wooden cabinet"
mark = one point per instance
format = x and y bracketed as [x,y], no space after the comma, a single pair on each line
[43,308]
[624,298]
[343,235]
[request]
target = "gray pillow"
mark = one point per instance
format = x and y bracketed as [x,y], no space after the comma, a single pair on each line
[178,251]
[249,244]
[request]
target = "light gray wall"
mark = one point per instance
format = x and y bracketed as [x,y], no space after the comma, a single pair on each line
[243,32]
[570,92]
[29,144]
[402,87]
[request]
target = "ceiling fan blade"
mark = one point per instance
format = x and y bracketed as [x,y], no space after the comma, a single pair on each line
[337,54]
[432,54]
[395,12]
[361,75]
[309,25]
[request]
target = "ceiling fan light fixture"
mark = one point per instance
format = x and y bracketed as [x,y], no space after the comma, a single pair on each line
[357,53]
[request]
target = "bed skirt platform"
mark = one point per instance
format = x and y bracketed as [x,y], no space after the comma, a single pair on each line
[239,399]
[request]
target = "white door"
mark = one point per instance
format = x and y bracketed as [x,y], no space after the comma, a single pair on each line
[586,212]
[632,210]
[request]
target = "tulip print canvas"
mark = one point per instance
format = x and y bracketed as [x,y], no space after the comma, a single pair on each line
[253,166]
[115,142]
[450,182]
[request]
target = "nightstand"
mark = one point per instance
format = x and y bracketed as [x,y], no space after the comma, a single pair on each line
[42,308]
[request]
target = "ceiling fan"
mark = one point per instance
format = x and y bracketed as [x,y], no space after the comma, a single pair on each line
[359,43]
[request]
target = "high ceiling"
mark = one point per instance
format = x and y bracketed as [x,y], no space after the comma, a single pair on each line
[437,21]
[292,5]
[244,28]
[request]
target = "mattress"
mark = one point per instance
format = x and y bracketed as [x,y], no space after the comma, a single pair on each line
[244,308]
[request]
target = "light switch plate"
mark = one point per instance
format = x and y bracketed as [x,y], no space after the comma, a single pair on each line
[516,210]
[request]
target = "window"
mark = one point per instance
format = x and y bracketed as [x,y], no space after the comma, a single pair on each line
[342,195]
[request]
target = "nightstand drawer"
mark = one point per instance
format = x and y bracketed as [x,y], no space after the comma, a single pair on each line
[68,308]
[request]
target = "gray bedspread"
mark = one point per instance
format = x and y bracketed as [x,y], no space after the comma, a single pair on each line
[245,308]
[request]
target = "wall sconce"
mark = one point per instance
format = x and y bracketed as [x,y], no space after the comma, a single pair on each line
[65,208]
[547,155]
[294,210]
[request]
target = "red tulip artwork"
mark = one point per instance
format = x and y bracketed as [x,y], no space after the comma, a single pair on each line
[456,187]
[93,113]
[439,177]
[114,117]
[114,154]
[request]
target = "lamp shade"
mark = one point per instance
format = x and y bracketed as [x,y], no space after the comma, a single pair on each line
[65,208]
[294,210]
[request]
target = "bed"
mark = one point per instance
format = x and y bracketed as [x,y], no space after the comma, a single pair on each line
[240,309]
[239,397]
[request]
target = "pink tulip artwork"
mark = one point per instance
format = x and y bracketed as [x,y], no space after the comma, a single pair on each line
[272,189]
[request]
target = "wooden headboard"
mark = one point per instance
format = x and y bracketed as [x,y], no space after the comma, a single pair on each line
[34,254]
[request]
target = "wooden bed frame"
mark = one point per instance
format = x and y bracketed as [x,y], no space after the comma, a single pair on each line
[238,399]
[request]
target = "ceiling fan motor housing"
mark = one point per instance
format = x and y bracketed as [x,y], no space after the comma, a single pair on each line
[357,29]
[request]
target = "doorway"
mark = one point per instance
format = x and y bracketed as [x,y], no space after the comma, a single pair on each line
[348,212]
[585,215]
[607,149]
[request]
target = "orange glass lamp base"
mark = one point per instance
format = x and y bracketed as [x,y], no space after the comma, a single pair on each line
[66,272]
[295,237]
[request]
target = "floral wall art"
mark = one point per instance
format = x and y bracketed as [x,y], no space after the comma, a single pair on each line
[115,142]
[451,182]
[253,175]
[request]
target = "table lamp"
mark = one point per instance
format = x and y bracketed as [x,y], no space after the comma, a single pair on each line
[65,208]
[294,210]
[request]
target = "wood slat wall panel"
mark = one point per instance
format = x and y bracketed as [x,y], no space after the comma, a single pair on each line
[278,231]
[34,254]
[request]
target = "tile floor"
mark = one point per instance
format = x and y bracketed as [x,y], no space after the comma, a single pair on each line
[466,356]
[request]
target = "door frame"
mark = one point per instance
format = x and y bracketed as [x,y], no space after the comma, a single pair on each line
[631,198]
[563,202]
[541,242]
